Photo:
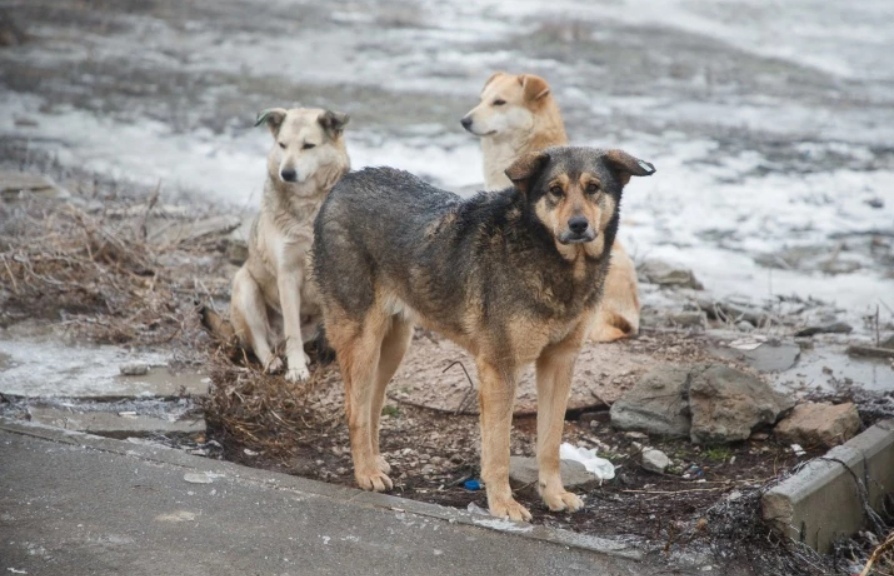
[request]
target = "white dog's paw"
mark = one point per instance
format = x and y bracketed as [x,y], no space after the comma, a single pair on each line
[299,373]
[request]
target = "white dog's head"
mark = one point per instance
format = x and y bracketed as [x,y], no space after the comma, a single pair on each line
[508,105]
[306,143]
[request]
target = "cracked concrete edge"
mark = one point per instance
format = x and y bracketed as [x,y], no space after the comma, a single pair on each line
[279,481]
[821,501]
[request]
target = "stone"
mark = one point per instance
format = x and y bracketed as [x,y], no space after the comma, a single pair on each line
[523,472]
[657,403]
[821,503]
[134,369]
[819,423]
[663,274]
[16,185]
[770,356]
[832,328]
[688,319]
[887,343]
[727,404]
[120,425]
[655,461]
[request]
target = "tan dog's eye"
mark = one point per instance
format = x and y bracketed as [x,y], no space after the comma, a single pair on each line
[557,191]
[592,188]
[308,146]
[281,145]
[499,102]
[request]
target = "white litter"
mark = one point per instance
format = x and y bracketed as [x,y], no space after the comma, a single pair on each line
[748,343]
[602,468]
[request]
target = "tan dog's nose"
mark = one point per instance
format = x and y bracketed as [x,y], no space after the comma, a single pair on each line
[467,123]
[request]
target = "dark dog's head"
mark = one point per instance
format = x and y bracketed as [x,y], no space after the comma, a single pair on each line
[575,193]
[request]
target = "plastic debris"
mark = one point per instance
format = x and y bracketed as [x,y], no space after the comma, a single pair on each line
[600,467]
[473,484]
[796,448]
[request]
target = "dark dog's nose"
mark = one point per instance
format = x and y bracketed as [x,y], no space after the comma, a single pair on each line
[288,175]
[467,123]
[578,224]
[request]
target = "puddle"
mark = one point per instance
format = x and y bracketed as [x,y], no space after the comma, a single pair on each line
[46,367]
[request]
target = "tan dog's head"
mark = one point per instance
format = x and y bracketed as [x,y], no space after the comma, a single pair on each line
[575,193]
[509,104]
[306,142]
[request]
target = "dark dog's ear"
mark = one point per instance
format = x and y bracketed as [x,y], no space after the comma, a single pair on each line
[333,122]
[273,117]
[626,165]
[535,87]
[526,169]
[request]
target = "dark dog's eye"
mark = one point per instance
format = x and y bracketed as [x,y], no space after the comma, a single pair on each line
[281,145]
[592,188]
[557,191]
[499,102]
[307,146]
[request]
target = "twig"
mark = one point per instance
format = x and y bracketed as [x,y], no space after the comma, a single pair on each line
[876,554]
[674,491]
[465,399]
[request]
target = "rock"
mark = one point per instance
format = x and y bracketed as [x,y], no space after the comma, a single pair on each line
[744,326]
[887,343]
[656,404]
[833,328]
[870,351]
[727,404]
[820,423]
[655,460]
[769,356]
[15,185]
[523,471]
[10,33]
[120,425]
[732,311]
[688,319]
[663,274]
[134,369]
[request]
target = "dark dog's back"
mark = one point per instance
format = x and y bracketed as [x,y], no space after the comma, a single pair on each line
[382,228]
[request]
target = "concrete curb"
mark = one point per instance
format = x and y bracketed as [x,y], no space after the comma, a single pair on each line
[278,481]
[824,500]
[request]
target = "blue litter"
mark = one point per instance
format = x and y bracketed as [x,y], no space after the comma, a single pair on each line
[472,484]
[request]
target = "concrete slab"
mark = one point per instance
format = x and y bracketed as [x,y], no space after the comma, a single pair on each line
[79,504]
[113,424]
[823,500]
[46,366]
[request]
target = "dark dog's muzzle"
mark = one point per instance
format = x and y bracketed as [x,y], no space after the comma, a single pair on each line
[579,231]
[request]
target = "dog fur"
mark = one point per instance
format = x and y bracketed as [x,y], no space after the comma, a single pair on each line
[272,297]
[513,276]
[517,115]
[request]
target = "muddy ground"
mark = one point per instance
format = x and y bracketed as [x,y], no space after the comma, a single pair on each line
[112,265]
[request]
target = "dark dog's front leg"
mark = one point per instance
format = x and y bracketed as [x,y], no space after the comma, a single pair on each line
[554,371]
[496,396]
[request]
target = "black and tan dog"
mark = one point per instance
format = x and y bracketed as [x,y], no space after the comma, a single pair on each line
[513,276]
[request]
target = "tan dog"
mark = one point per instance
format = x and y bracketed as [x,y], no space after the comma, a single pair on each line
[272,294]
[518,115]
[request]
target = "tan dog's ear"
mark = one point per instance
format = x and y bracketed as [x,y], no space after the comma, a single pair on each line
[333,123]
[493,77]
[535,87]
[526,169]
[273,117]
[626,165]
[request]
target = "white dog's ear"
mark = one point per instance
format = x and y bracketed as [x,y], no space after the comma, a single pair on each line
[535,87]
[524,171]
[333,122]
[626,165]
[273,117]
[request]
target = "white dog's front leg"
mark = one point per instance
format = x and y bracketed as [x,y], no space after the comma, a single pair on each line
[290,300]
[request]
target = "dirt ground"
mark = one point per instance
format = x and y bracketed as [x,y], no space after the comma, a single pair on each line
[98,265]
